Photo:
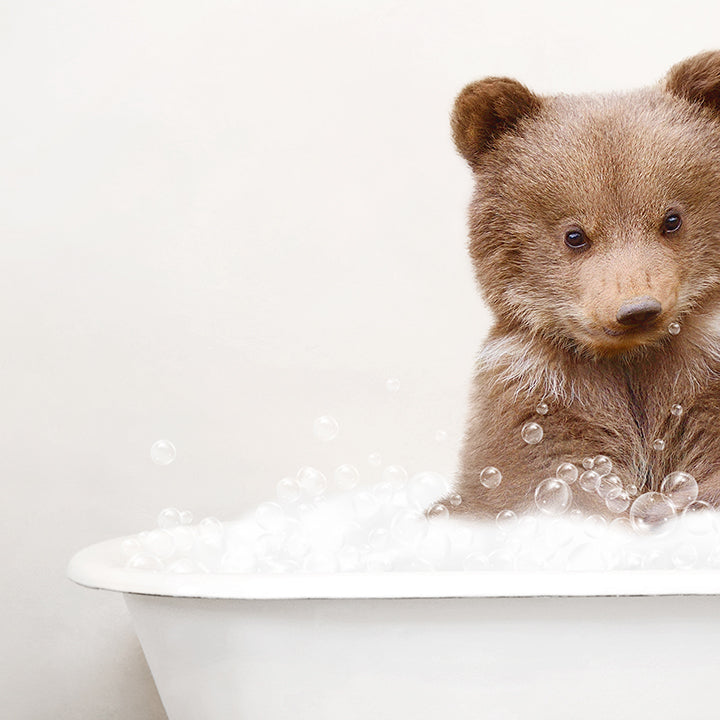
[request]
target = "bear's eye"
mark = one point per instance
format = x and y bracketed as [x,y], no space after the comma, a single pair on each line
[672,221]
[576,239]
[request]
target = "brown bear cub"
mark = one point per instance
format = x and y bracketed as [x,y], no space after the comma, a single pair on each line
[595,238]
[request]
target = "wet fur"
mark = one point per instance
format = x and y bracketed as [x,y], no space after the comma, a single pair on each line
[613,165]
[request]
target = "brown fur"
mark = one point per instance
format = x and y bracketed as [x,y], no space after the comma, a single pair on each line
[612,165]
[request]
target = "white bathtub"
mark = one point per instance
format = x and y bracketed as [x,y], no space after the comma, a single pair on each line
[401,646]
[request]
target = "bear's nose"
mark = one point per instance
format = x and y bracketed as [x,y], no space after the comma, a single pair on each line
[638,311]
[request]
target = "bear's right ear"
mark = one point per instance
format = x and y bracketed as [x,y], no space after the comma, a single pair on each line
[485,110]
[697,80]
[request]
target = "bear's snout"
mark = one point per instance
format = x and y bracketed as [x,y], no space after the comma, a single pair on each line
[638,311]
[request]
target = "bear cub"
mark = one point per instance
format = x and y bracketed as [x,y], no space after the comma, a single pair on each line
[594,233]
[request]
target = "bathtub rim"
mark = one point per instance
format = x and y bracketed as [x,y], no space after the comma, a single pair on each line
[99,566]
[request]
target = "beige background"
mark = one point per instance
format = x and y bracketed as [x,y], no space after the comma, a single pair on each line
[219,221]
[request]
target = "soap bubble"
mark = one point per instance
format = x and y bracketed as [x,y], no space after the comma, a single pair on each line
[568,472]
[542,408]
[425,487]
[288,490]
[438,511]
[162,452]
[674,328]
[506,520]
[311,480]
[618,503]
[396,475]
[632,490]
[589,481]
[144,561]
[532,433]
[553,496]
[375,459]
[326,428]
[270,516]
[685,557]
[346,476]
[680,488]
[698,517]
[588,463]
[676,410]
[169,518]
[409,527]
[440,436]
[658,444]
[211,531]
[392,385]
[160,543]
[609,486]
[490,477]
[384,492]
[602,464]
[651,513]
[455,500]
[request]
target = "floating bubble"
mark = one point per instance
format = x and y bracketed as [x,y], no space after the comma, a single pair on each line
[618,503]
[162,452]
[455,500]
[680,488]
[396,475]
[542,408]
[651,513]
[608,486]
[392,385]
[288,490]
[674,328]
[602,464]
[676,410]
[532,433]
[426,487]
[375,459]
[438,511]
[490,477]
[589,481]
[698,517]
[311,480]
[553,496]
[506,520]
[568,472]
[409,527]
[145,561]
[169,518]
[658,444]
[440,436]
[346,476]
[632,490]
[588,463]
[271,517]
[326,428]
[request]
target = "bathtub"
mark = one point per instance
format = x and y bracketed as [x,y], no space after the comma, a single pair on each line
[456,645]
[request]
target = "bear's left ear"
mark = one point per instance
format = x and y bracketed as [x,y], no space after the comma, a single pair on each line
[486,109]
[697,80]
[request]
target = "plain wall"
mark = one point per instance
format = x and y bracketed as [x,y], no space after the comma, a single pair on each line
[221,220]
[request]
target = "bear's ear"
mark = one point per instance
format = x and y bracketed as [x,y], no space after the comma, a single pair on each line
[697,80]
[486,109]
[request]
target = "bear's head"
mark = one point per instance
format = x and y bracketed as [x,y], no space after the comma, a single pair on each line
[595,221]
